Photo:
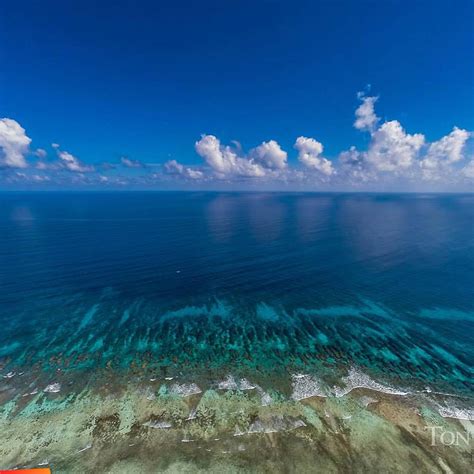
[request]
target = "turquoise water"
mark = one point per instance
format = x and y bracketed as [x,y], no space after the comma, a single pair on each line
[256,283]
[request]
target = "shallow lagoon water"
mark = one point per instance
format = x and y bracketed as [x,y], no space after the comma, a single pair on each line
[134,309]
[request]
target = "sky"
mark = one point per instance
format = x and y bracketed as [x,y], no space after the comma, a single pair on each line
[301,95]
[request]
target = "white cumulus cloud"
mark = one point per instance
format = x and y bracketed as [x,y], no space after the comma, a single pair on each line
[392,149]
[14,144]
[468,170]
[443,153]
[353,166]
[270,155]
[309,154]
[71,163]
[392,157]
[366,119]
[173,167]
[129,163]
[224,160]
[40,153]
[394,152]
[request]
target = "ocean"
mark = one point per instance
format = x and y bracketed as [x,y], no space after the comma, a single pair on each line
[272,289]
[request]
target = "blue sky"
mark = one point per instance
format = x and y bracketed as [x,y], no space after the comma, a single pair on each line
[144,81]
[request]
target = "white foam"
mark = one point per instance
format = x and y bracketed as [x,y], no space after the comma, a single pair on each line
[53,388]
[307,386]
[244,384]
[149,393]
[260,427]
[185,389]
[275,425]
[458,413]
[89,446]
[161,425]
[266,399]
[230,383]
[357,379]
[298,424]
[239,432]
[9,375]
[192,414]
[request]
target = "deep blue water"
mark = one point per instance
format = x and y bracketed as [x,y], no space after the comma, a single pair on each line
[257,281]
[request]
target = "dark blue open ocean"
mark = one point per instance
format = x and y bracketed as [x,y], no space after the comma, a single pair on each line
[239,281]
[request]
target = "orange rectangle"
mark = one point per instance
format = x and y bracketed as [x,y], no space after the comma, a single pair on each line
[40,470]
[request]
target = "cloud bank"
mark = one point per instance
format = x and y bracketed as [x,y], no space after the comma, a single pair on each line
[391,156]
